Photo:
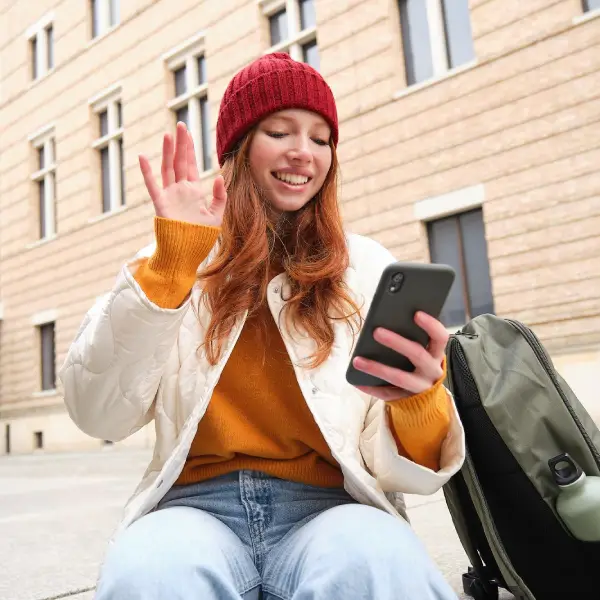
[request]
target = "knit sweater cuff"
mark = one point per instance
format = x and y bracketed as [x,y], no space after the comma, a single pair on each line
[420,423]
[170,273]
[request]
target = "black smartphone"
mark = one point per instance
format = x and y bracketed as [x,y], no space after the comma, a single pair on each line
[403,290]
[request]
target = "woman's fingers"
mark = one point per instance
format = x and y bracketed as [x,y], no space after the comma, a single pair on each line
[385,393]
[149,180]
[166,169]
[192,165]
[180,160]
[420,357]
[219,200]
[411,382]
[438,335]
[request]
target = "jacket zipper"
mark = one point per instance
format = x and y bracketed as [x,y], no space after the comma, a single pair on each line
[540,353]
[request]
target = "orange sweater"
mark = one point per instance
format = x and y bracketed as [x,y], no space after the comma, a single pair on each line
[257,417]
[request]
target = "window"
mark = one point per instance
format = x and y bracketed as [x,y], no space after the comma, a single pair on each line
[41,47]
[48,356]
[38,440]
[292,29]
[187,64]
[589,5]
[108,114]
[459,241]
[436,36]
[105,14]
[44,178]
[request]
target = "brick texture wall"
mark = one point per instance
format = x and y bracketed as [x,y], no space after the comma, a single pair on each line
[523,121]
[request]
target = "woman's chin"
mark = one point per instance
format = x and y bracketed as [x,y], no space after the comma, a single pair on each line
[286,205]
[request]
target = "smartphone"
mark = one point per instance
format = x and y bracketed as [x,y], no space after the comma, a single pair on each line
[403,290]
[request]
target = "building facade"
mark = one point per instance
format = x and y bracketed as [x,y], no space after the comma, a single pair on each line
[469,134]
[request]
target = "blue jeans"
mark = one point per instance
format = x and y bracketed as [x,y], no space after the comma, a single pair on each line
[245,534]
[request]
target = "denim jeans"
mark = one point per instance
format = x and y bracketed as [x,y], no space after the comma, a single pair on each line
[247,535]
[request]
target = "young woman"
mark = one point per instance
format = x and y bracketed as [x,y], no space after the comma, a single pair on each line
[271,474]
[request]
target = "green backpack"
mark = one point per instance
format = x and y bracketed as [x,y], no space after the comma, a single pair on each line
[518,413]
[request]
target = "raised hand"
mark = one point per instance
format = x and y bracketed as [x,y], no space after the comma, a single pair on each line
[181,197]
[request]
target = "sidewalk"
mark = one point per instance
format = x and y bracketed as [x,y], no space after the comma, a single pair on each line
[57,513]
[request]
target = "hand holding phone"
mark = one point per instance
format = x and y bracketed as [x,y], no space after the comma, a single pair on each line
[392,357]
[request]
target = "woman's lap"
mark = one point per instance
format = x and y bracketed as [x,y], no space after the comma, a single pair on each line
[334,548]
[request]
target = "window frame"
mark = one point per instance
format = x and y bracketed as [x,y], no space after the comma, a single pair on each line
[439,44]
[45,140]
[588,9]
[297,37]
[42,327]
[108,101]
[186,55]
[464,275]
[451,204]
[41,59]
[105,24]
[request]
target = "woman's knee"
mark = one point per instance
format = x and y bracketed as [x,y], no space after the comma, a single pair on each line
[171,552]
[141,556]
[369,549]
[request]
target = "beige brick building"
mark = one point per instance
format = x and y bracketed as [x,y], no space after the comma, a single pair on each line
[470,134]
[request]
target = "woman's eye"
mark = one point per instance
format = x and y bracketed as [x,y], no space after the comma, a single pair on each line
[276,134]
[320,142]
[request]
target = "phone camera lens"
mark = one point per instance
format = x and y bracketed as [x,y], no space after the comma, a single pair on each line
[397,278]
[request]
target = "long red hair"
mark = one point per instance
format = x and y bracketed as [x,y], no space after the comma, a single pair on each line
[309,245]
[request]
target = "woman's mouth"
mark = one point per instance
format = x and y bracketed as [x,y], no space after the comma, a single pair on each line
[290,179]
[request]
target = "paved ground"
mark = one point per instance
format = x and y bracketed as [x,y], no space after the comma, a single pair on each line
[58,511]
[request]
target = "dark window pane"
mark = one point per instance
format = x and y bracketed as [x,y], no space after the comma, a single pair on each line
[444,247]
[459,36]
[41,157]
[48,356]
[310,54]
[180,85]
[95,18]
[42,208]
[105,168]
[278,27]
[416,41]
[38,440]
[103,120]
[122,159]
[182,114]
[307,14]
[205,126]
[50,46]
[119,114]
[34,60]
[114,12]
[591,5]
[201,70]
[479,285]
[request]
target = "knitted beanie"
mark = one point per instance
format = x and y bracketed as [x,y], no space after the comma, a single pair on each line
[271,83]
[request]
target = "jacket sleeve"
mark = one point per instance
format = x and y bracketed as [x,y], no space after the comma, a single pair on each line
[396,473]
[393,471]
[114,366]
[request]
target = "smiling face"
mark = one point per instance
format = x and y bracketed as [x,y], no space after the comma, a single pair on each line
[290,157]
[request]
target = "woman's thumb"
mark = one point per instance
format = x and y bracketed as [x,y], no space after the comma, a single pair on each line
[219,194]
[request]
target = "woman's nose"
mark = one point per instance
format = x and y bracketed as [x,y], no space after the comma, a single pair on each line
[300,149]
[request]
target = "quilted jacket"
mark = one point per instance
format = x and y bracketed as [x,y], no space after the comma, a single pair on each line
[133,362]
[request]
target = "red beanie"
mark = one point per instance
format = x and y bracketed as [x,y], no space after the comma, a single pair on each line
[271,83]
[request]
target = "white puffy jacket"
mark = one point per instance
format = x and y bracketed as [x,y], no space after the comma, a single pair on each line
[132,362]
